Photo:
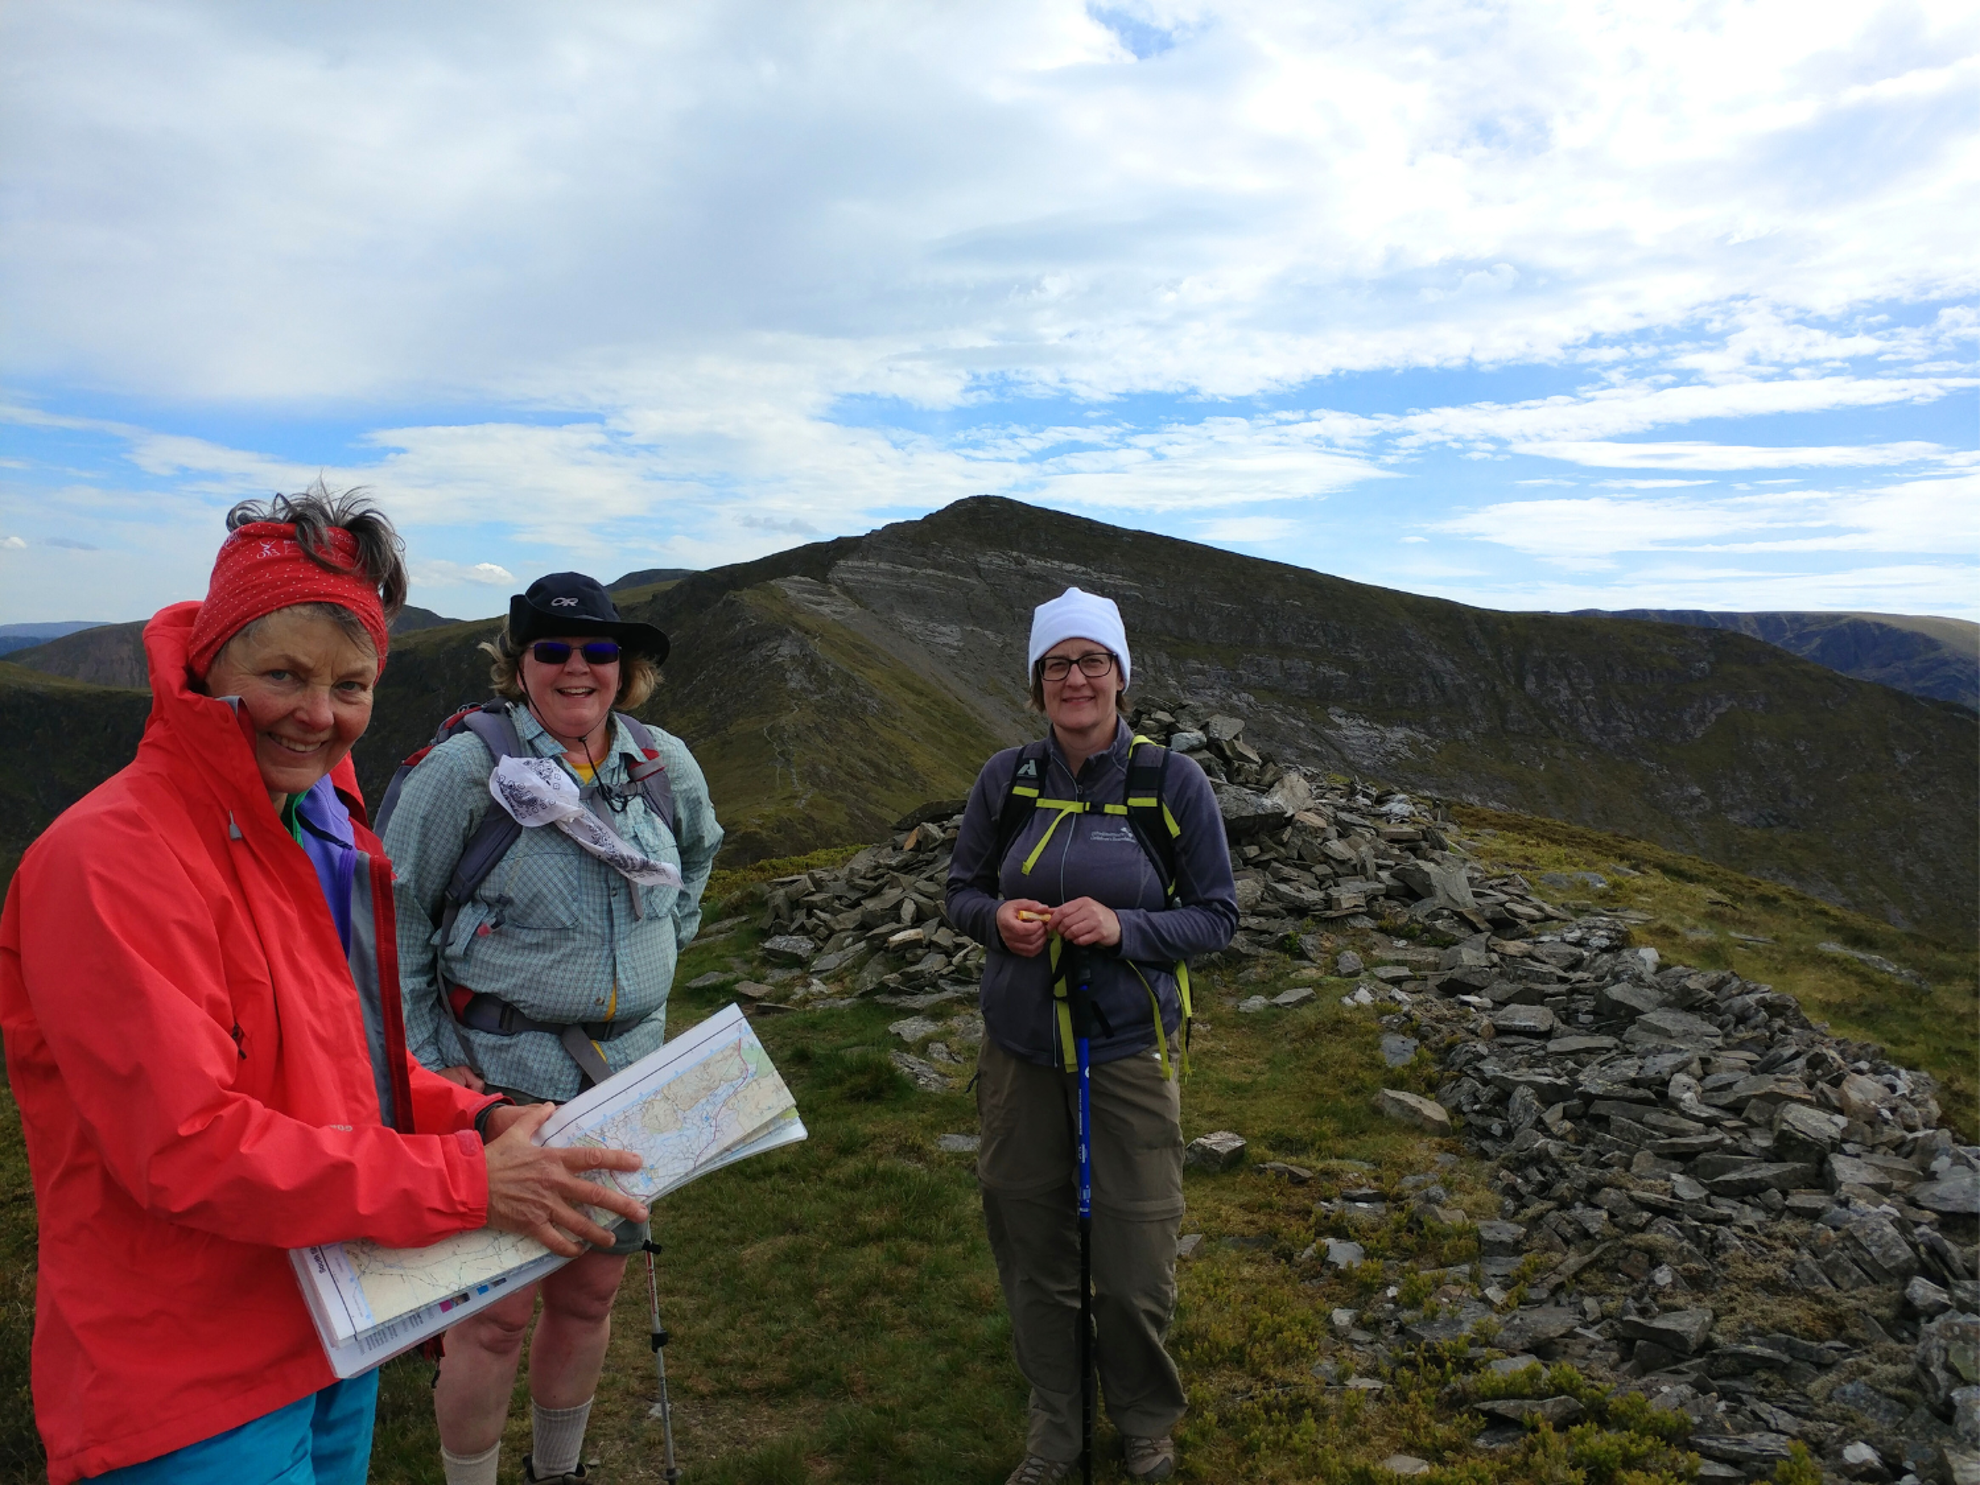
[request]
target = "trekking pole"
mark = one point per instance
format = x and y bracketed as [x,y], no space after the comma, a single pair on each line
[1083,1014]
[658,1339]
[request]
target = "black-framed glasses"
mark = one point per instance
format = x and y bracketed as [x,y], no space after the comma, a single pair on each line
[1093,664]
[596,652]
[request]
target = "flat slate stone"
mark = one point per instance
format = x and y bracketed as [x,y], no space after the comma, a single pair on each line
[789,948]
[1629,1000]
[1398,1050]
[1218,1151]
[1298,995]
[1847,1170]
[1673,1028]
[1413,1108]
[1683,1331]
[925,1075]
[1541,1323]
[1523,1020]
[959,1144]
[1498,1239]
[1558,1411]
[1767,1176]
[1957,1193]
[1343,1254]
[1872,1404]
[1749,1451]
[1568,1046]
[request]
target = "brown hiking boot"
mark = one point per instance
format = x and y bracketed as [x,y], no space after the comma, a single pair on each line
[1036,1471]
[1149,1459]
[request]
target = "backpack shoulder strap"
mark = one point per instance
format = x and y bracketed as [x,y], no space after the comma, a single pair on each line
[656,785]
[1148,811]
[390,802]
[498,830]
[1020,801]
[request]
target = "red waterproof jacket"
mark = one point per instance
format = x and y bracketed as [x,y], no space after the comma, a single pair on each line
[188,1047]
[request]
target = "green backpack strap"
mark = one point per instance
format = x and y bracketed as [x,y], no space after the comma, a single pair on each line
[1155,826]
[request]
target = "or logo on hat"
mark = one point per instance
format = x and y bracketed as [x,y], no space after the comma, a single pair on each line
[563,603]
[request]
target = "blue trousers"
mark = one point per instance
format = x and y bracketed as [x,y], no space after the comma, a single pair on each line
[322,1439]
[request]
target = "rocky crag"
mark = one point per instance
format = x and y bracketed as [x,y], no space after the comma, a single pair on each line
[1685,1163]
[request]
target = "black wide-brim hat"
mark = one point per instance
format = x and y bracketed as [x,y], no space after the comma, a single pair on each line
[569,603]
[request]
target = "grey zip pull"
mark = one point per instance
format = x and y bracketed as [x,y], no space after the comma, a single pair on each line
[233,830]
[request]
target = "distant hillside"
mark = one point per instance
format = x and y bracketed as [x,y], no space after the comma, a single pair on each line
[1926,656]
[113,654]
[412,617]
[830,687]
[25,636]
[646,577]
[66,738]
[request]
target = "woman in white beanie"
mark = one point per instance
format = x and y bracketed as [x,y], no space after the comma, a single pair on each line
[1050,849]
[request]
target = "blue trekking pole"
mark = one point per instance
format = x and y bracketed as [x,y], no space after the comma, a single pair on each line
[1084,1015]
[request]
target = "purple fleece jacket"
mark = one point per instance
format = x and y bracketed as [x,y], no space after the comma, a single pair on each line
[1098,856]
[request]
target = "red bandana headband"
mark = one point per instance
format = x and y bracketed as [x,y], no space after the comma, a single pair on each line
[262,568]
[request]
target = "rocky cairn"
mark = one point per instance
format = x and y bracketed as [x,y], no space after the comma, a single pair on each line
[1687,1167]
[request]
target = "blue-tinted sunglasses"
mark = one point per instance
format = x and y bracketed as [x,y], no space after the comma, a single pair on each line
[557,652]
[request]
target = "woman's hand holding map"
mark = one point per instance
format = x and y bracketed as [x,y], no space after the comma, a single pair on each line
[537,1192]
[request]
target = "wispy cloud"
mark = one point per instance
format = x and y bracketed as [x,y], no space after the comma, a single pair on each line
[1725,456]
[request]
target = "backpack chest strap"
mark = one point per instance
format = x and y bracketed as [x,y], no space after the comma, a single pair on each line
[1065,807]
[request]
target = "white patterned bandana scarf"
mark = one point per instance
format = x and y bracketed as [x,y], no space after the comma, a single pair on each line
[536,792]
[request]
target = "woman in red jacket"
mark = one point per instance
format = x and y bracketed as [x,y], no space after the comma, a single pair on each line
[199,996]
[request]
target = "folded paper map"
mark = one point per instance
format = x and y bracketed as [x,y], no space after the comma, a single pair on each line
[703,1101]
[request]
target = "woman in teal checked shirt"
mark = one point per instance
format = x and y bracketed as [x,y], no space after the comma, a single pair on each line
[554,938]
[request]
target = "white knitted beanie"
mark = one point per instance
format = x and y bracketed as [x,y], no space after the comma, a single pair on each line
[1078,615]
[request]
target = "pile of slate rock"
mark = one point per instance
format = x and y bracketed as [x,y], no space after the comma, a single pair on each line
[1686,1146]
[1691,1173]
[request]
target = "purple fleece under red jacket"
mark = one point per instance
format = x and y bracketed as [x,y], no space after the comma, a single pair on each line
[1092,855]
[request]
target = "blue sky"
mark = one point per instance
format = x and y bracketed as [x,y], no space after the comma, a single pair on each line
[1526,306]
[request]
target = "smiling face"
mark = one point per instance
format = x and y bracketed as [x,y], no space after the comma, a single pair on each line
[1081,704]
[306,685]
[573,700]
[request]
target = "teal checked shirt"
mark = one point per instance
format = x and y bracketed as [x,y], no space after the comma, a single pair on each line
[552,930]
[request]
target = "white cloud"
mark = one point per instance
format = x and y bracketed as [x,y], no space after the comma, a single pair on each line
[1247,530]
[1633,484]
[517,202]
[444,574]
[13,544]
[1919,516]
[1722,456]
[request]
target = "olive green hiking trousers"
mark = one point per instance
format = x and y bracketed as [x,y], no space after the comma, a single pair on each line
[1028,1168]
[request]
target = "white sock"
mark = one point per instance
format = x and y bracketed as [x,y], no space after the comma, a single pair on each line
[471,1469]
[557,1438]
